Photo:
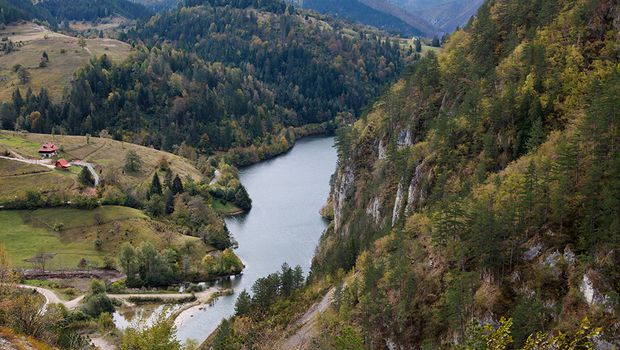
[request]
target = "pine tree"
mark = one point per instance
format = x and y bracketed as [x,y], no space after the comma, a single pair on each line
[155,188]
[177,185]
[133,163]
[18,101]
[168,178]
[243,304]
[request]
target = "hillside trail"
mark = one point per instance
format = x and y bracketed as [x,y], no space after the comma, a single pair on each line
[45,163]
[52,298]
[41,162]
[308,324]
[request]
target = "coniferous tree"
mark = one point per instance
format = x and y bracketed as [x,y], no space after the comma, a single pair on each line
[177,185]
[155,188]
[243,303]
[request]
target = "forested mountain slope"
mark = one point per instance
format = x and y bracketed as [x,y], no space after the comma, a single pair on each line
[484,184]
[364,13]
[16,10]
[445,14]
[56,11]
[249,76]
[88,10]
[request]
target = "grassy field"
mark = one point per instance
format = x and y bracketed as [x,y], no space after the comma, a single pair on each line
[107,155]
[26,233]
[34,39]
[11,168]
[44,182]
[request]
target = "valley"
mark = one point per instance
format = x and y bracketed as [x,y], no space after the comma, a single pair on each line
[283,174]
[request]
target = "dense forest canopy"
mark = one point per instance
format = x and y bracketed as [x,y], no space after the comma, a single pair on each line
[86,10]
[215,78]
[54,12]
[356,10]
[16,10]
[484,184]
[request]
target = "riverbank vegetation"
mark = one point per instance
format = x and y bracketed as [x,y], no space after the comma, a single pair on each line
[482,189]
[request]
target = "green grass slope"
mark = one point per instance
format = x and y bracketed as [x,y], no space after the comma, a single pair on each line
[65,57]
[27,233]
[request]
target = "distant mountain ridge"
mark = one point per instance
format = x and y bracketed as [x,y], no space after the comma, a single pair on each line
[404,17]
[409,17]
[375,13]
[444,14]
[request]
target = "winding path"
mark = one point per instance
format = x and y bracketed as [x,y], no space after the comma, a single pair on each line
[52,298]
[43,162]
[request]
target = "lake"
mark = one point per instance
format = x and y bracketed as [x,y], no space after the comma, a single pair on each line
[284,224]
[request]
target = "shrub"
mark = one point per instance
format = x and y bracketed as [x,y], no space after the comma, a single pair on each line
[96,301]
[106,322]
[117,287]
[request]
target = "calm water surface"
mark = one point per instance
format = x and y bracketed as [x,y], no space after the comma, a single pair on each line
[284,224]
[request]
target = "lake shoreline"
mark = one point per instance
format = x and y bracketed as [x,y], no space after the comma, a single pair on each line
[283,225]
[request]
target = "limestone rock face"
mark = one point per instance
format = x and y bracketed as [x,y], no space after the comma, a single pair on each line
[398,203]
[343,187]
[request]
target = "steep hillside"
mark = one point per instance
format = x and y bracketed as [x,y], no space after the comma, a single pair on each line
[159,5]
[19,10]
[415,19]
[444,14]
[484,184]
[367,14]
[87,10]
[248,79]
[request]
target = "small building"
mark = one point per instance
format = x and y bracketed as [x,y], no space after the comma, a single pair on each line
[62,164]
[48,150]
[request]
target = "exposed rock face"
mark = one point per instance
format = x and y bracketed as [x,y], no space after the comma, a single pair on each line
[553,259]
[404,139]
[343,186]
[569,256]
[381,150]
[532,252]
[374,210]
[398,203]
[590,293]
[416,193]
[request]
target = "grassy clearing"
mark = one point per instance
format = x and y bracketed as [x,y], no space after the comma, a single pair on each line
[11,141]
[225,208]
[23,241]
[407,43]
[59,72]
[56,180]
[64,291]
[13,168]
[107,155]
[26,233]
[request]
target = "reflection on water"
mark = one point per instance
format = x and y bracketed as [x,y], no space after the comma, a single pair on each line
[141,316]
[284,224]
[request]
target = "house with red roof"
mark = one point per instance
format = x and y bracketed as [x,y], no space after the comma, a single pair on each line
[48,150]
[62,164]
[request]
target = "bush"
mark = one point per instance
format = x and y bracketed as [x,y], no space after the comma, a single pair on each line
[117,287]
[106,322]
[96,301]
